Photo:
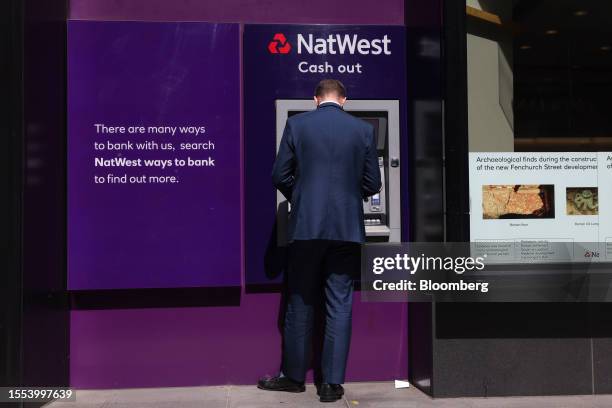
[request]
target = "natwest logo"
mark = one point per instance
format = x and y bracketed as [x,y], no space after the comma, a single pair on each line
[279,44]
[591,254]
[343,44]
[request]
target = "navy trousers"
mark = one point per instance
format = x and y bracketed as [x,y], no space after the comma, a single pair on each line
[315,268]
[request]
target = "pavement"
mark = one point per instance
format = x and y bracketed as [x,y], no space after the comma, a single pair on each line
[357,395]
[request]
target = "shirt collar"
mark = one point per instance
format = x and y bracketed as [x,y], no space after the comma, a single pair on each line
[329,101]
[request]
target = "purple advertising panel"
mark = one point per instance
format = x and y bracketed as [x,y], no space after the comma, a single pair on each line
[286,62]
[153,155]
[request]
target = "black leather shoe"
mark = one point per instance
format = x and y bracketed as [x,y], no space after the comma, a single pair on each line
[330,392]
[280,384]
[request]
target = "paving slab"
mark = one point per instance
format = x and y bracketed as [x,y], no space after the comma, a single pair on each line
[357,395]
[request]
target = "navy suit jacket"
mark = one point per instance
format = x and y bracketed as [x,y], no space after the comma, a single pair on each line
[326,165]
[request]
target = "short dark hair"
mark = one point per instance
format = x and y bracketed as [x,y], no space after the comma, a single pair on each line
[330,86]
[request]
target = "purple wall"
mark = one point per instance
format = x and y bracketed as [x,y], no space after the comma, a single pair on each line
[252,11]
[217,345]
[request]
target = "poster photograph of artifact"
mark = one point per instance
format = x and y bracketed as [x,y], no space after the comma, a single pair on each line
[518,201]
[582,201]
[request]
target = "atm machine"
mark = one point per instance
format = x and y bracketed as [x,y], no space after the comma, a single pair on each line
[382,211]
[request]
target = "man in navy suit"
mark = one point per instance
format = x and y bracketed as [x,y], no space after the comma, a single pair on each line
[326,165]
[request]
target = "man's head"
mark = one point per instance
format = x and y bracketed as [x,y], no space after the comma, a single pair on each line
[330,90]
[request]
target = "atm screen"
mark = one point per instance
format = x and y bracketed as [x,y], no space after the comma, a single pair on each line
[376,123]
[379,123]
[380,130]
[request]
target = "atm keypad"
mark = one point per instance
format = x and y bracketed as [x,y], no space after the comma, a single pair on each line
[372,221]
